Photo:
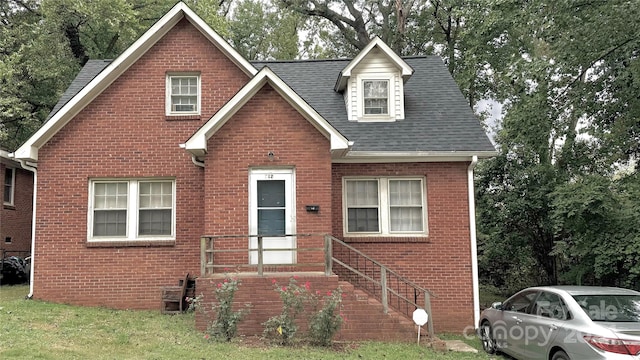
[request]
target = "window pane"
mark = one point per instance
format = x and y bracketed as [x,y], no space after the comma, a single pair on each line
[155,222]
[406,219]
[375,106]
[362,193]
[271,193]
[109,223]
[155,207]
[362,220]
[375,89]
[271,222]
[110,195]
[8,185]
[376,97]
[184,93]
[156,195]
[405,192]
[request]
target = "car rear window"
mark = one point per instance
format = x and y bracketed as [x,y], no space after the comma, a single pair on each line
[610,308]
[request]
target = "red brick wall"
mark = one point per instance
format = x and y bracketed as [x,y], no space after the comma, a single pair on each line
[15,221]
[442,261]
[124,133]
[364,319]
[267,123]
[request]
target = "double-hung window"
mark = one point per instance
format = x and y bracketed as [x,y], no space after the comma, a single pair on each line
[384,206]
[376,97]
[132,209]
[9,185]
[183,94]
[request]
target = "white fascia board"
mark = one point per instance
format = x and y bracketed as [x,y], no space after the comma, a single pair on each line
[417,156]
[197,143]
[29,150]
[405,69]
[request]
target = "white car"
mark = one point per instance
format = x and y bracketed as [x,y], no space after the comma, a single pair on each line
[563,323]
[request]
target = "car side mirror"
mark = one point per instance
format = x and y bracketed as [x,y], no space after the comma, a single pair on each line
[497,305]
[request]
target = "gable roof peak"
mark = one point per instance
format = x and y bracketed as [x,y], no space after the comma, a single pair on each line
[29,150]
[197,143]
[375,43]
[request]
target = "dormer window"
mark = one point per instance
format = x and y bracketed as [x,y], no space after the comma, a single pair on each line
[376,97]
[183,94]
[373,84]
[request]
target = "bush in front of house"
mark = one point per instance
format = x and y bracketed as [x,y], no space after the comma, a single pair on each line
[225,326]
[281,329]
[326,322]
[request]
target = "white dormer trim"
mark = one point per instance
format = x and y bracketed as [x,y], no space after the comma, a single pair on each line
[405,70]
[29,150]
[197,143]
[375,62]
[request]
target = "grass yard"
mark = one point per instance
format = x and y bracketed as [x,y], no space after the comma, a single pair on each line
[32,329]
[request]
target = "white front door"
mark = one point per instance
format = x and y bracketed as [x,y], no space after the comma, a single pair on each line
[272,214]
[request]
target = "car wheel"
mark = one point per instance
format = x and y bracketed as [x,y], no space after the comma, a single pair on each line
[560,355]
[486,336]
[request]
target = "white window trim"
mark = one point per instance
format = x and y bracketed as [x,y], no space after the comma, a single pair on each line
[391,111]
[133,208]
[384,220]
[12,189]
[168,110]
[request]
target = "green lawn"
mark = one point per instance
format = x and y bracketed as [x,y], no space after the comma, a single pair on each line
[32,329]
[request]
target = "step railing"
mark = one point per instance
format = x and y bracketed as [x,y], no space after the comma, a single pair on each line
[388,287]
[221,254]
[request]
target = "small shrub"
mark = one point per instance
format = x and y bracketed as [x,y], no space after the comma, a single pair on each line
[326,322]
[281,329]
[225,325]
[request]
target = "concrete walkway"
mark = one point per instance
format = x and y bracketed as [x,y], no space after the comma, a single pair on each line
[459,345]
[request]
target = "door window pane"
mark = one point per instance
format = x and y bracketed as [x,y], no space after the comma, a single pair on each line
[271,193]
[271,207]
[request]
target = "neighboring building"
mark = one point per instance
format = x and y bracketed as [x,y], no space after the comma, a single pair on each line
[17,209]
[181,137]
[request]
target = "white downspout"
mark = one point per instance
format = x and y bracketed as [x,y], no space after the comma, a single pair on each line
[474,243]
[33,169]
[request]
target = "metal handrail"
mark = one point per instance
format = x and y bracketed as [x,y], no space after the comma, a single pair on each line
[387,286]
[349,263]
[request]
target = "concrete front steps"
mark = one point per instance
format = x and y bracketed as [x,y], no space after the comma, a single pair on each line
[365,319]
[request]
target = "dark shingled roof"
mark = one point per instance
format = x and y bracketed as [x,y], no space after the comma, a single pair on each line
[437,116]
[90,70]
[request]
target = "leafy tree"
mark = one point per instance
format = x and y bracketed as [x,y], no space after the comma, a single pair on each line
[262,32]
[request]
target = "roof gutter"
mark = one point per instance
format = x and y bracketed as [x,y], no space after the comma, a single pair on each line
[31,167]
[474,242]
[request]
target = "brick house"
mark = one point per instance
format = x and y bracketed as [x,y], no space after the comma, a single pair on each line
[17,209]
[180,140]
